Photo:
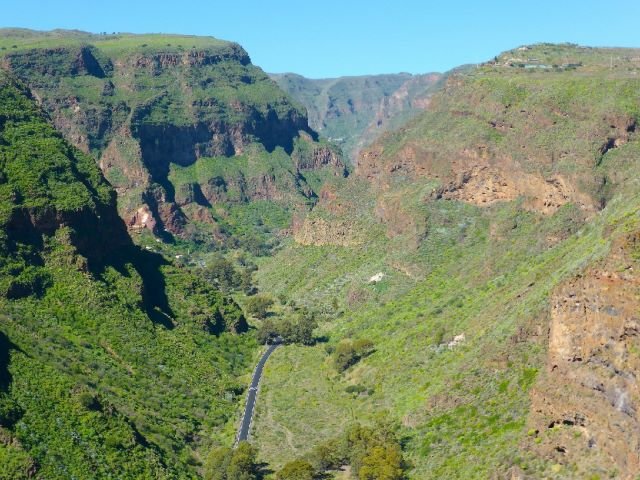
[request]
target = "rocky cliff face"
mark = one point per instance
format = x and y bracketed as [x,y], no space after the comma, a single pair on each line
[144,104]
[502,135]
[585,407]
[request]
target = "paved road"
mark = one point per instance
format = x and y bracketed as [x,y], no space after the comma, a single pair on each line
[247,417]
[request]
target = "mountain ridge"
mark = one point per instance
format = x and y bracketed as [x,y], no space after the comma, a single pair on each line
[145,105]
[353,110]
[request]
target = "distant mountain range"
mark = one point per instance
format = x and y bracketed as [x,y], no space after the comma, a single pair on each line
[353,111]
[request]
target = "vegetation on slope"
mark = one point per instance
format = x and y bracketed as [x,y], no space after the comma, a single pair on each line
[429,273]
[113,361]
[148,107]
[459,316]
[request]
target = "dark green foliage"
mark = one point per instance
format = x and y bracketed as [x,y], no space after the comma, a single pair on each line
[358,389]
[296,328]
[296,470]
[299,330]
[15,463]
[108,362]
[268,330]
[44,182]
[224,463]
[328,455]
[258,305]
[348,352]
[372,452]
[223,274]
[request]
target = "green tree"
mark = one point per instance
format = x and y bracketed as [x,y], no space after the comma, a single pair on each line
[259,305]
[217,463]
[328,455]
[222,273]
[382,463]
[344,355]
[267,330]
[298,330]
[224,463]
[287,330]
[296,470]
[243,465]
[348,353]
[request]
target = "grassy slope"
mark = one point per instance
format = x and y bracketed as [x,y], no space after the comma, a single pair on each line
[109,367]
[19,39]
[484,272]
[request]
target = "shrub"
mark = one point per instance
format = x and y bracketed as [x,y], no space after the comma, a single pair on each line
[382,463]
[259,305]
[267,330]
[300,331]
[224,463]
[296,470]
[374,453]
[222,273]
[348,353]
[357,389]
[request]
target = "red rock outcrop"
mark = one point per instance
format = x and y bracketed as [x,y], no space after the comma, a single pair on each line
[585,406]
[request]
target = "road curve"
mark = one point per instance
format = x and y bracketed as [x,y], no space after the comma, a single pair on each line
[252,393]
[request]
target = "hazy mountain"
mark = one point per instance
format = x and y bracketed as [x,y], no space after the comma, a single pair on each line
[354,111]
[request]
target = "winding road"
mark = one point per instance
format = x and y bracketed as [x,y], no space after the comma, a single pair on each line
[252,394]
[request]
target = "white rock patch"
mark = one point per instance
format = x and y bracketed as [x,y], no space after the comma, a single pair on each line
[457,340]
[377,277]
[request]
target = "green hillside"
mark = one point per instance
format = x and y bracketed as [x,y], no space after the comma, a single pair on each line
[113,362]
[517,186]
[461,303]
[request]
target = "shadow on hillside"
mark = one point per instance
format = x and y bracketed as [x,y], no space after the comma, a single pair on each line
[5,357]
[154,294]
[148,265]
[263,470]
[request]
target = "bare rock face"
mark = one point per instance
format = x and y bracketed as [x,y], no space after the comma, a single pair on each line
[585,406]
[141,219]
[475,176]
[321,156]
[487,185]
[484,148]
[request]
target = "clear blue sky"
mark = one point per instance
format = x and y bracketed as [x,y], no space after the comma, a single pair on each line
[349,37]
